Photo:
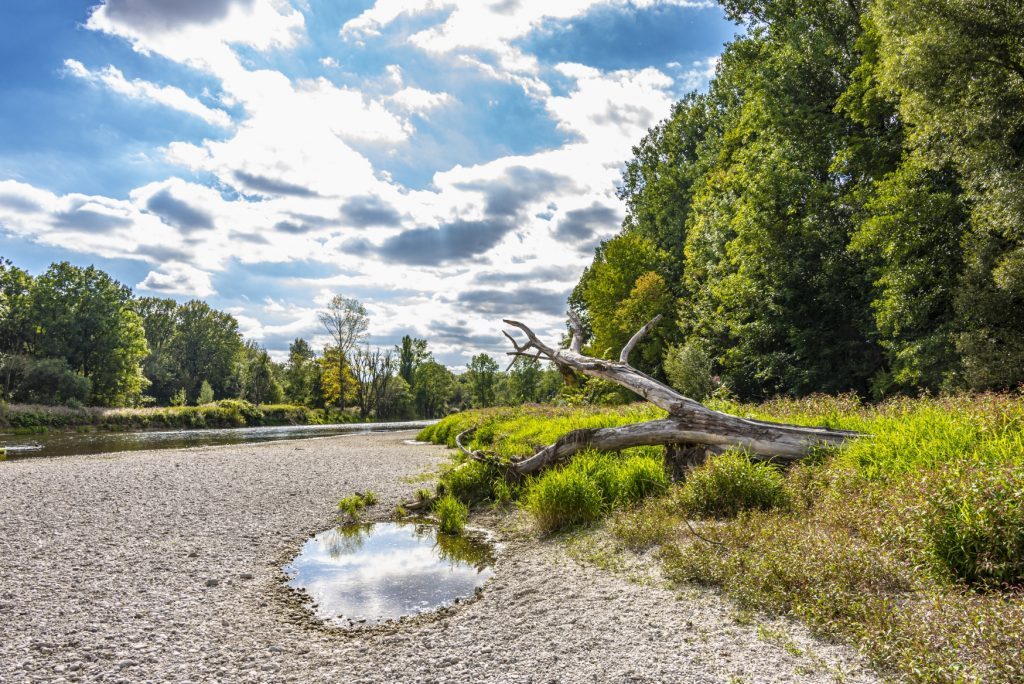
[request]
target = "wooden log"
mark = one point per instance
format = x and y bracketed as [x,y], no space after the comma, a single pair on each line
[688,422]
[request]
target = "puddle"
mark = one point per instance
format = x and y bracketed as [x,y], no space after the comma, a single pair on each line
[363,575]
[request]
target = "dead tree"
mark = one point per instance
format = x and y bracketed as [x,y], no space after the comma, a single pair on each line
[690,431]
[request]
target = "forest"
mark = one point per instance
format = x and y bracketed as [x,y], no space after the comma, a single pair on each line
[74,336]
[841,211]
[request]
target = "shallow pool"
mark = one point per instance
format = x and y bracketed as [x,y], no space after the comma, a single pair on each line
[362,575]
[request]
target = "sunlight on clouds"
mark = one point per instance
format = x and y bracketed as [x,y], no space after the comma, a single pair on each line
[138,89]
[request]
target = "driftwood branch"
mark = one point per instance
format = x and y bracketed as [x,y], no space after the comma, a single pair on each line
[688,422]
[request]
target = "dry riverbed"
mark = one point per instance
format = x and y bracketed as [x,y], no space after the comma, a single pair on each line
[166,566]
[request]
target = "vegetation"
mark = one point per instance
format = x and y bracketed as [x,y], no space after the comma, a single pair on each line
[75,337]
[352,506]
[907,543]
[452,515]
[840,211]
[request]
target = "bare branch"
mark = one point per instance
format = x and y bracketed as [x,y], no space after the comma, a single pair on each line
[635,339]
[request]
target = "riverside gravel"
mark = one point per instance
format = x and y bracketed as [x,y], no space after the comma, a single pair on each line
[166,566]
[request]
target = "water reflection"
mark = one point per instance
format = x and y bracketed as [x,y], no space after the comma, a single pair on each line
[73,443]
[367,574]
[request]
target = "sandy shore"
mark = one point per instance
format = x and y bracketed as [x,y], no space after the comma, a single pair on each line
[165,566]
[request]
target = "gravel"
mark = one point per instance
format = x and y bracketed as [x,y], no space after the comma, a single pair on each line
[166,566]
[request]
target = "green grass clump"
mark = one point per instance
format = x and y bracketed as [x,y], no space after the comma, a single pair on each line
[469,481]
[452,514]
[974,529]
[591,485]
[727,484]
[564,498]
[353,505]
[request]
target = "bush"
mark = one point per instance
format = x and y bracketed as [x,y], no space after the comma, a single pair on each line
[688,369]
[975,527]
[352,506]
[564,498]
[205,394]
[730,483]
[44,381]
[452,514]
[471,482]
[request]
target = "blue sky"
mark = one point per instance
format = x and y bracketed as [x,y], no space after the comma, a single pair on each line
[447,163]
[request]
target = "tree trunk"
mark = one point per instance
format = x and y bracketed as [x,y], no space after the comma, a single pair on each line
[691,429]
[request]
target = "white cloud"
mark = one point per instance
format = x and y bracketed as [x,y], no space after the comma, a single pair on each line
[138,89]
[177,279]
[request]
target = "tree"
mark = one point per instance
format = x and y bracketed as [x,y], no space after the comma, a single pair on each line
[258,375]
[345,320]
[483,379]
[411,353]
[15,307]
[302,374]
[332,383]
[433,387]
[373,370]
[205,394]
[206,347]
[161,367]
[396,401]
[83,316]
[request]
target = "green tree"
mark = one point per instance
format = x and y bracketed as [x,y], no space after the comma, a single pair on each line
[205,394]
[206,347]
[482,373]
[412,352]
[345,320]
[160,321]
[301,374]
[433,388]
[83,316]
[15,307]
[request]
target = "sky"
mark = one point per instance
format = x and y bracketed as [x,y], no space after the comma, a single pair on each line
[448,164]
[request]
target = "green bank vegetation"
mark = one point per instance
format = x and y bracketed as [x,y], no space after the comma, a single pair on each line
[908,543]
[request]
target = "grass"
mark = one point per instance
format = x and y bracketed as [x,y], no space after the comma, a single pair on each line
[352,506]
[908,543]
[452,515]
[29,418]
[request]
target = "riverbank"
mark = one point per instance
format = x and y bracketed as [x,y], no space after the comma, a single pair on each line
[166,566]
[29,418]
[908,543]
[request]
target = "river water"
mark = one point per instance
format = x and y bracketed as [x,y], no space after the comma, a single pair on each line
[73,443]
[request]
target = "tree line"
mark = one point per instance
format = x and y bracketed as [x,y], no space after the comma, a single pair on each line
[76,336]
[842,210]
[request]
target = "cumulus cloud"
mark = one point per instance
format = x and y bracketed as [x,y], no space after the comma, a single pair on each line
[138,89]
[582,224]
[366,211]
[517,301]
[178,213]
[178,279]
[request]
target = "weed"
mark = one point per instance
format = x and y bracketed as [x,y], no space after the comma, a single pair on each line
[369,498]
[564,498]
[452,514]
[352,506]
[730,483]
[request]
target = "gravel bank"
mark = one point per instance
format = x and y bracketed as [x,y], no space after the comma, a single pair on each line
[165,566]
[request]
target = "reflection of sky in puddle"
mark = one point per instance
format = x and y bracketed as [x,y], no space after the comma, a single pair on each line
[382,571]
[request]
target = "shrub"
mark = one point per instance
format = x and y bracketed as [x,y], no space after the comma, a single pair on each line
[452,514]
[688,369]
[205,394]
[471,482]
[730,483]
[45,381]
[975,527]
[564,498]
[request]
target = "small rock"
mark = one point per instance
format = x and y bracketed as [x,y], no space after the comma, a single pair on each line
[212,582]
[245,576]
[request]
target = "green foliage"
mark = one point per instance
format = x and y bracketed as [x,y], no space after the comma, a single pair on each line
[593,484]
[205,394]
[179,398]
[434,385]
[352,506]
[452,514]
[42,381]
[223,413]
[974,527]
[730,483]
[689,369]
[470,481]
[483,379]
[564,498]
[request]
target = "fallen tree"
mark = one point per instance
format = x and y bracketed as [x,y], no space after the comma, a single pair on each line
[690,431]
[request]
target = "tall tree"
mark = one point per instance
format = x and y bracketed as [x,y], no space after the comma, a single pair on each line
[206,347]
[411,353]
[433,387]
[483,379]
[302,374]
[160,321]
[84,316]
[15,299]
[345,320]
